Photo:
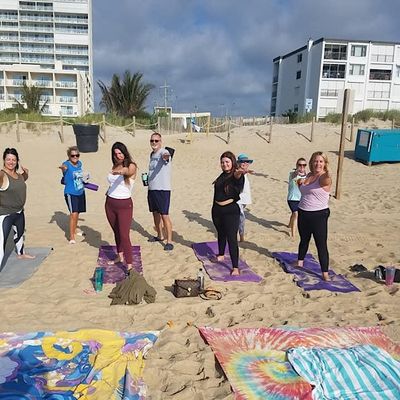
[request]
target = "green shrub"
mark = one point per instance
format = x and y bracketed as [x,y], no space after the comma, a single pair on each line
[364,115]
[333,118]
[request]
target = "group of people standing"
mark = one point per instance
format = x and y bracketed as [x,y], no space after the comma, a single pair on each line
[308,196]
[119,204]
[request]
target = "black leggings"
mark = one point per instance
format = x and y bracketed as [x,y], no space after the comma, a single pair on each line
[226,221]
[314,223]
[15,221]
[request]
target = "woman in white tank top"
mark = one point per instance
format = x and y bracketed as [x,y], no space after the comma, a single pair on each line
[119,204]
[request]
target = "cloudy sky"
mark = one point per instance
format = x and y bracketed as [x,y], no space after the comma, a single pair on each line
[216,55]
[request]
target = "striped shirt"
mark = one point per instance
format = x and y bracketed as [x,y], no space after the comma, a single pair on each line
[362,372]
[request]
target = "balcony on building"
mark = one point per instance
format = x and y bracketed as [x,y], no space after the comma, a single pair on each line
[380,74]
[28,5]
[36,17]
[335,52]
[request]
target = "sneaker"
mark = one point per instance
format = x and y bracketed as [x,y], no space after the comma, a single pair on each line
[155,239]
[168,247]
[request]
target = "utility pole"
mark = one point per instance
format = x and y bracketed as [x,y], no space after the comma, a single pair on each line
[165,87]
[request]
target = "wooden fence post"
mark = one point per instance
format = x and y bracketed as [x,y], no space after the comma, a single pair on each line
[345,110]
[352,130]
[208,125]
[17,127]
[393,123]
[190,130]
[312,129]
[134,126]
[61,128]
[103,125]
[159,124]
[229,131]
[271,122]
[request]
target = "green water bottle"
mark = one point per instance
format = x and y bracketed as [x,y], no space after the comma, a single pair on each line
[98,279]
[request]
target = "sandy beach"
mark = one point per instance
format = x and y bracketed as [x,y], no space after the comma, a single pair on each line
[364,228]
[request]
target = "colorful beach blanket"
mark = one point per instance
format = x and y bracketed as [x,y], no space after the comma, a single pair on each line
[359,372]
[255,361]
[117,272]
[221,271]
[309,276]
[92,364]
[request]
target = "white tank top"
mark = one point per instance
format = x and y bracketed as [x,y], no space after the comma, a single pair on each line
[118,189]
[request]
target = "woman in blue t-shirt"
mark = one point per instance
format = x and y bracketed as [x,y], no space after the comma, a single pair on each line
[294,195]
[74,190]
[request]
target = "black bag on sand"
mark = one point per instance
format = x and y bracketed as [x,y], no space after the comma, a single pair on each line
[380,273]
[186,287]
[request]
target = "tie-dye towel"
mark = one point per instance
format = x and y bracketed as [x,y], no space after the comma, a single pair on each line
[117,272]
[309,276]
[92,364]
[255,361]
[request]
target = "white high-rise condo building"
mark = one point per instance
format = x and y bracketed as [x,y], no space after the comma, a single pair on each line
[47,43]
[313,78]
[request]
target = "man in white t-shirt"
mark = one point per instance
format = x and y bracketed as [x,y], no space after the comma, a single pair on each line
[159,193]
[245,197]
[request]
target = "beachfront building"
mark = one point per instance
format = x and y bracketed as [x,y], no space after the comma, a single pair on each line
[313,78]
[47,43]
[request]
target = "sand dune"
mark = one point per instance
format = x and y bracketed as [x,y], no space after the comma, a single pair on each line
[364,228]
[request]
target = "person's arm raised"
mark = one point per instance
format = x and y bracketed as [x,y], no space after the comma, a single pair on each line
[325,181]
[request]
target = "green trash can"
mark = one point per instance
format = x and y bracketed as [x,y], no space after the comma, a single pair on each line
[87,137]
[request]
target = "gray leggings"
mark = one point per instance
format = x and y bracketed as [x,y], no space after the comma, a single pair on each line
[15,221]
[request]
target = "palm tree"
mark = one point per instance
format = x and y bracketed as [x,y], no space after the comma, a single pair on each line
[31,96]
[125,97]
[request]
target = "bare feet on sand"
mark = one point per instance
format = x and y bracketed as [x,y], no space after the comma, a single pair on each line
[217,258]
[25,257]
[298,264]
[325,276]
[235,272]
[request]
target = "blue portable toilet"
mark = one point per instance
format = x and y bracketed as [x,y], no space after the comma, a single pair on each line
[377,145]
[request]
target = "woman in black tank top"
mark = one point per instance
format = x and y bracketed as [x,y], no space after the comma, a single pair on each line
[12,202]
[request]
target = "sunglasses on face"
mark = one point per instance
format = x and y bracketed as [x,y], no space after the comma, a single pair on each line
[154,140]
[302,165]
[75,155]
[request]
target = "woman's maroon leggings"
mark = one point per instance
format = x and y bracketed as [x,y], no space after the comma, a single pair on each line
[119,214]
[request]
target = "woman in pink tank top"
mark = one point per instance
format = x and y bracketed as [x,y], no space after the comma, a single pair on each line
[314,211]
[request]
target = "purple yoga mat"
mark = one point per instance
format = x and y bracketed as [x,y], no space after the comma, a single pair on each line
[221,271]
[309,276]
[117,272]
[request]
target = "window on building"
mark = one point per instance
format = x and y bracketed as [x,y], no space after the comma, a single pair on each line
[299,58]
[335,52]
[329,93]
[334,71]
[358,50]
[296,108]
[385,58]
[380,74]
[298,74]
[296,90]
[398,71]
[378,94]
[357,69]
